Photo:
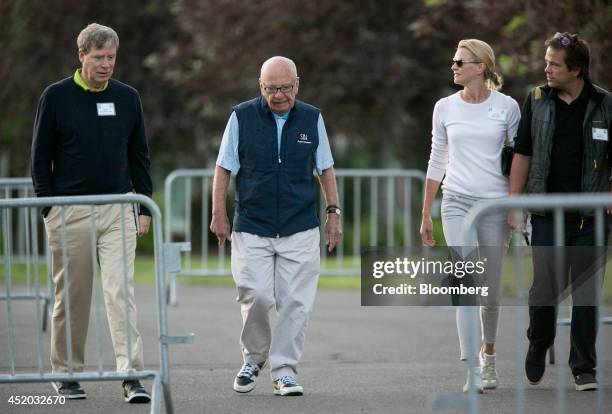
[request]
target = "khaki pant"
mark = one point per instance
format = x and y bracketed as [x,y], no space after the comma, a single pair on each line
[282,273]
[79,269]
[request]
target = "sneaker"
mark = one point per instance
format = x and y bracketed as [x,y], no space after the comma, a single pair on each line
[245,379]
[535,364]
[477,381]
[70,389]
[287,386]
[489,374]
[586,382]
[135,393]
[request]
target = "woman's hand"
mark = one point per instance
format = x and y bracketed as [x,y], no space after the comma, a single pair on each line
[427,231]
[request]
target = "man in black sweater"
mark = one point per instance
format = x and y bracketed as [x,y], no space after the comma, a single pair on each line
[89,138]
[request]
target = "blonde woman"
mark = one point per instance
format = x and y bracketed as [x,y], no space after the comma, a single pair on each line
[468,135]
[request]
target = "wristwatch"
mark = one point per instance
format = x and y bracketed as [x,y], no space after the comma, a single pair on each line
[333,209]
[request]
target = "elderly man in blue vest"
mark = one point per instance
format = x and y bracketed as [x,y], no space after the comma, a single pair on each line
[274,143]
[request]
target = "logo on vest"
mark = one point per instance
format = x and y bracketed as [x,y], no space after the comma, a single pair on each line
[303,139]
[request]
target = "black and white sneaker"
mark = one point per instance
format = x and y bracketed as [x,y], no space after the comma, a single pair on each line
[70,389]
[287,386]
[245,379]
[586,382]
[135,393]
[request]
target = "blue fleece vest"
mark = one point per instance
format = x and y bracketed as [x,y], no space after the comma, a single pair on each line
[275,193]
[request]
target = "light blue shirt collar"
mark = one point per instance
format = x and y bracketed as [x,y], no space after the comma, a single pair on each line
[280,122]
[284,116]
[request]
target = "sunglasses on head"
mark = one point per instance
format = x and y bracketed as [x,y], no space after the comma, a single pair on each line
[563,39]
[460,62]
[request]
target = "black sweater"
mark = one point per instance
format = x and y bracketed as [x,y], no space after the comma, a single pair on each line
[77,152]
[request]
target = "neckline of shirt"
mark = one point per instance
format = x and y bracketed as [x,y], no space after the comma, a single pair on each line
[284,116]
[485,102]
[78,79]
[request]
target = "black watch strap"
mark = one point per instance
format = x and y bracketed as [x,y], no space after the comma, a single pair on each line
[332,208]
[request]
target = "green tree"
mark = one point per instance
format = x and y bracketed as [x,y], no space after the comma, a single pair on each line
[374,68]
[38,40]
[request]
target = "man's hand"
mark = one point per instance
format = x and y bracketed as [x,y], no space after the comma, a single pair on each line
[144,222]
[333,231]
[220,226]
[427,232]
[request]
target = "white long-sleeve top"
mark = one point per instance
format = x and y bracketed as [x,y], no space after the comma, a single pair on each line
[467,142]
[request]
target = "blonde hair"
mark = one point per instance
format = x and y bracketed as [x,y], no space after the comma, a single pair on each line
[483,53]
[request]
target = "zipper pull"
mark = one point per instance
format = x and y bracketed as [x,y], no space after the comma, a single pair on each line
[279,160]
[594,164]
[581,222]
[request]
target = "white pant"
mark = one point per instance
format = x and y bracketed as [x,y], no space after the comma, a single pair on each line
[491,237]
[275,272]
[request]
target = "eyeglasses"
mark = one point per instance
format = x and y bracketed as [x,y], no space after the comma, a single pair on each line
[460,62]
[271,90]
[563,39]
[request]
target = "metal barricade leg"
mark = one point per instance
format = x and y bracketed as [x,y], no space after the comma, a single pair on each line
[156,396]
[63,231]
[172,298]
[551,354]
[50,299]
[168,397]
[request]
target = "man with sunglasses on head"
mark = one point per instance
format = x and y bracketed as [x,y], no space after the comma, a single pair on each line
[274,143]
[563,147]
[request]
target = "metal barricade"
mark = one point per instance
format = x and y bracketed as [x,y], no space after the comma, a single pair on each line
[378,209]
[26,242]
[558,204]
[163,253]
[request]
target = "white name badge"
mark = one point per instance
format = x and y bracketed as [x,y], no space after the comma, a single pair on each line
[106,108]
[600,134]
[497,114]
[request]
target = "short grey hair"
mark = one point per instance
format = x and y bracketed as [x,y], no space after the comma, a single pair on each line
[96,36]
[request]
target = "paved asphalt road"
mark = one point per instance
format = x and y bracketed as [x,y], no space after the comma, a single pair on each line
[356,360]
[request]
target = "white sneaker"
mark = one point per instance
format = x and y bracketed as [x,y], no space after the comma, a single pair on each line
[489,374]
[245,379]
[477,381]
[287,386]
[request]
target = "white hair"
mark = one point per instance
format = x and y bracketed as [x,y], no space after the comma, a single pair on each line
[278,59]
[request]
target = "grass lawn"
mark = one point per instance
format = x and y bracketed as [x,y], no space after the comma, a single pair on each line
[144,270]
[145,274]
